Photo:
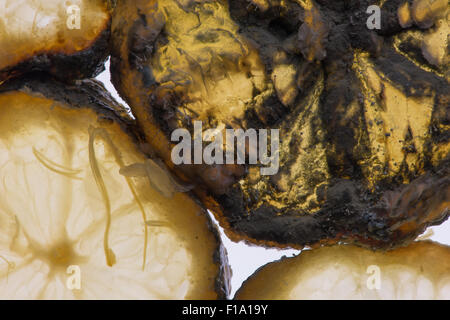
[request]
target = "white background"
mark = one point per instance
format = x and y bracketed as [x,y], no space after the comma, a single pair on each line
[245,259]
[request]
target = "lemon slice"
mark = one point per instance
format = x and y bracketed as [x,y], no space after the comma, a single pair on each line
[67,38]
[72,225]
[363,154]
[419,271]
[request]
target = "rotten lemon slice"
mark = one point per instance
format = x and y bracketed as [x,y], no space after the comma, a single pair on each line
[78,220]
[363,120]
[420,271]
[67,38]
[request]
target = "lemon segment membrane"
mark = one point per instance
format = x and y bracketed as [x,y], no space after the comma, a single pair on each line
[73,227]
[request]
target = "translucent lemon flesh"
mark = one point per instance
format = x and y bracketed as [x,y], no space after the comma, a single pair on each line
[29,28]
[420,271]
[60,238]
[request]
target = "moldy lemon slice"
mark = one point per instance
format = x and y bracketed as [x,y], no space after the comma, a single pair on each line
[363,123]
[77,220]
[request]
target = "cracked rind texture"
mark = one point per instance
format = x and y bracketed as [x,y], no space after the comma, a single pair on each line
[364,124]
[88,99]
[35,36]
[419,271]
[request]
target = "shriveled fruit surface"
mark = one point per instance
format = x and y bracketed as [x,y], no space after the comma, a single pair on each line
[363,114]
[77,194]
[66,38]
[419,271]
